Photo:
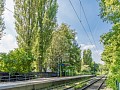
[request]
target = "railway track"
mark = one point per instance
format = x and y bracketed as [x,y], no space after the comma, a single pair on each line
[95,84]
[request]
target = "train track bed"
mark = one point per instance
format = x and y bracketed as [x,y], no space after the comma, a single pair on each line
[95,84]
[76,85]
[103,87]
[70,85]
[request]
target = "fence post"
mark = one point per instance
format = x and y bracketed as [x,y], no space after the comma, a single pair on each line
[25,77]
[9,77]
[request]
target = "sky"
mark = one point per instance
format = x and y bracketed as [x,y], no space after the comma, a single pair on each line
[66,15]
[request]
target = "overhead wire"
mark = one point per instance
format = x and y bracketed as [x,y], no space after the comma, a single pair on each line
[82,25]
[9,10]
[80,21]
[95,27]
[88,24]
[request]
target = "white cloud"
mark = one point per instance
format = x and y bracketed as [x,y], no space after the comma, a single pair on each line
[8,43]
[76,38]
[87,46]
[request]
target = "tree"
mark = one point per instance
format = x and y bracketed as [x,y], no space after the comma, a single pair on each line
[87,57]
[2,25]
[95,68]
[60,45]
[25,24]
[111,54]
[46,13]
[16,61]
[110,10]
[35,22]
[110,13]
[87,60]
[64,49]
[75,56]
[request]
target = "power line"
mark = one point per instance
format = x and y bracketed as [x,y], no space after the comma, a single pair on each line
[80,21]
[81,24]
[9,10]
[95,27]
[88,25]
[80,12]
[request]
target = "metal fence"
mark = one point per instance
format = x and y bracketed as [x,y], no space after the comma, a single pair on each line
[9,77]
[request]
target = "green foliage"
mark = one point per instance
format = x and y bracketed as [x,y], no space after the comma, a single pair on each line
[110,10]
[111,53]
[111,40]
[86,69]
[75,56]
[64,49]
[47,23]
[80,85]
[87,61]
[16,61]
[35,22]
[61,42]
[87,57]
[26,26]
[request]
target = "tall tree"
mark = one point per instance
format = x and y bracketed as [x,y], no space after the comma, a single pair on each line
[2,25]
[111,40]
[64,49]
[75,56]
[87,57]
[35,21]
[111,54]
[46,23]
[25,23]
[87,62]
[60,45]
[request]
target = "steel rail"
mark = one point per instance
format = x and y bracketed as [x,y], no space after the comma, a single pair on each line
[87,86]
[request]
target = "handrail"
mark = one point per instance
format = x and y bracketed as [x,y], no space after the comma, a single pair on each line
[6,77]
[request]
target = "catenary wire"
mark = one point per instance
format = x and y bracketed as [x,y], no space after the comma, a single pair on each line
[80,21]
[88,24]
[82,25]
